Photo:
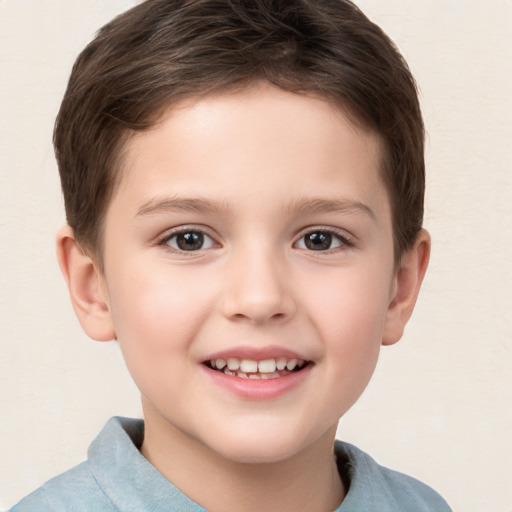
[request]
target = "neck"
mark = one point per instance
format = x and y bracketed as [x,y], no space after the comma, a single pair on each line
[308,480]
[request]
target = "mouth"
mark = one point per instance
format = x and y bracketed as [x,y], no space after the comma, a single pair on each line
[265,369]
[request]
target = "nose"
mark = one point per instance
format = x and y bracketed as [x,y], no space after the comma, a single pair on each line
[258,289]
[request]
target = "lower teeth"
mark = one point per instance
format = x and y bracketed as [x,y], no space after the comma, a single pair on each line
[255,376]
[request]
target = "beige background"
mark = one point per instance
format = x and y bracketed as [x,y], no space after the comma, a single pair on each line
[439,406]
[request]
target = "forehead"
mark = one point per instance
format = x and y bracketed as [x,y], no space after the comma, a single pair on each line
[262,137]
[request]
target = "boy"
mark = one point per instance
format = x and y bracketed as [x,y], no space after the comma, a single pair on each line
[244,193]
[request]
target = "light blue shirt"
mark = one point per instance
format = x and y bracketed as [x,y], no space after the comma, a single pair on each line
[117,478]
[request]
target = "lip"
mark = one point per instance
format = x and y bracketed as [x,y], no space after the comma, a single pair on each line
[257,389]
[257,353]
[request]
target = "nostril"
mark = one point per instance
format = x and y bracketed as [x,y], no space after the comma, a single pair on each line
[257,305]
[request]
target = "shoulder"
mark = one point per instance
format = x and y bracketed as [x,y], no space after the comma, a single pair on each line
[74,490]
[86,487]
[374,487]
[115,477]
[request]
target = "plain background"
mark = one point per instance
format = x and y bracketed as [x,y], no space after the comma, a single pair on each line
[440,404]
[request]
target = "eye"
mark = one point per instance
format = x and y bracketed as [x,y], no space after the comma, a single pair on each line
[188,240]
[322,240]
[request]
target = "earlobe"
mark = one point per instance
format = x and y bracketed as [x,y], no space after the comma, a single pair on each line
[86,287]
[408,279]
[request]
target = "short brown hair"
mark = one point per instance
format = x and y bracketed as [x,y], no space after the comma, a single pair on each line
[163,51]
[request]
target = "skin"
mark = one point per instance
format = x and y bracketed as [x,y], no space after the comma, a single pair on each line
[256,172]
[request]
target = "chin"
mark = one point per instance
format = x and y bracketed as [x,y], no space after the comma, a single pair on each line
[257,455]
[258,448]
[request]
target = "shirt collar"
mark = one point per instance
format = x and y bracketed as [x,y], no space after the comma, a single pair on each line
[126,477]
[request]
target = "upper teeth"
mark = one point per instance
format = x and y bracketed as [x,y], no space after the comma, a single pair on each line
[253,366]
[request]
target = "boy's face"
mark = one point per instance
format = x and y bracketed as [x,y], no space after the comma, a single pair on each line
[250,226]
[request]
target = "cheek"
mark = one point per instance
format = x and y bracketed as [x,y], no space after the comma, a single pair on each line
[351,326]
[358,297]
[155,311]
[350,314]
[156,319]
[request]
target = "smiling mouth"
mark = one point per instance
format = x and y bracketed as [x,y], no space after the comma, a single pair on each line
[252,369]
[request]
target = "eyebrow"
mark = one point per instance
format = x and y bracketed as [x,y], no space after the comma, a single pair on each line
[172,204]
[320,205]
[302,206]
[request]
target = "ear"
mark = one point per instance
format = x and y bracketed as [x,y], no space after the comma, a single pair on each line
[86,287]
[406,286]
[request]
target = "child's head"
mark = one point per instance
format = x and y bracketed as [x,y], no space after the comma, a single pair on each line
[249,175]
[162,52]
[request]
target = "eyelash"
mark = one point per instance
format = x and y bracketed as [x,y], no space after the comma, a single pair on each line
[324,235]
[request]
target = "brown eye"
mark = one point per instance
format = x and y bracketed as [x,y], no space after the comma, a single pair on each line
[189,241]
[320,241]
